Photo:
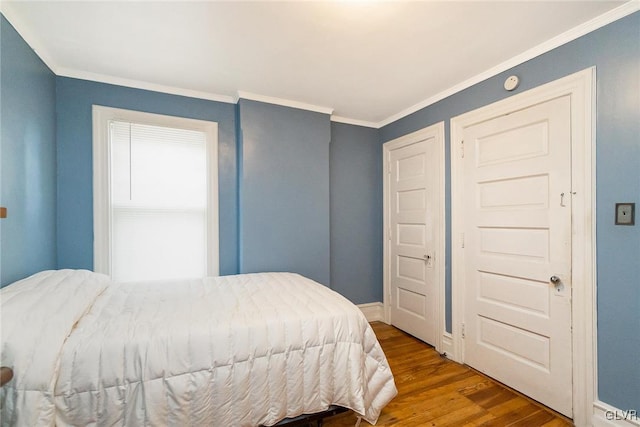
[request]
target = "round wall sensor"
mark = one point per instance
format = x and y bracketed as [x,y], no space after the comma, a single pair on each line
[511,83]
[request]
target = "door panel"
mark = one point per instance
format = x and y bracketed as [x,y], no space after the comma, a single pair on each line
[412,188]
[517,234]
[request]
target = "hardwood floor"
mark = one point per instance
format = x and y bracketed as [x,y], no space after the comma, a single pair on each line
[434,391]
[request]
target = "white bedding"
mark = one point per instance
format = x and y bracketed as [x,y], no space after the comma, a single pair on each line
[229,351]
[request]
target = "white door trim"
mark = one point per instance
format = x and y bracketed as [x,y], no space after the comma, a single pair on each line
[581,88]
[435,131]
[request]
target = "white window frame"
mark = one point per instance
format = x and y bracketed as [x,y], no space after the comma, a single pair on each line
[102,221]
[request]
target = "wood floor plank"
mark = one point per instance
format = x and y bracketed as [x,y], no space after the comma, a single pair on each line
[436,392]
[489,396]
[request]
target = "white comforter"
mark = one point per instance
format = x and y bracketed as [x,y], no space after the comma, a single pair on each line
[229,351]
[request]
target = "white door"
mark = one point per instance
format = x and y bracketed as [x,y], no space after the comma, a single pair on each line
[414,204]
[517,251]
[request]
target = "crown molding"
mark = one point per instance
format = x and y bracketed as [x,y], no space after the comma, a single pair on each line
[28,36]
[564,38]
[33,41]
[283,102]
[355,122]
[138,84]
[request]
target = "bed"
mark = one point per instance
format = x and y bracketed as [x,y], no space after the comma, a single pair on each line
[243,350]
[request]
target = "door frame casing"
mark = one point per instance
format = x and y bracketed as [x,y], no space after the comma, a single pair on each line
[581,89]
[435,131]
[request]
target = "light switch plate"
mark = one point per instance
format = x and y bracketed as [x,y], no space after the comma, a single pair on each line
[625,213]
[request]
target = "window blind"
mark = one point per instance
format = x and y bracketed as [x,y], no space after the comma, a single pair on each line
[158,202]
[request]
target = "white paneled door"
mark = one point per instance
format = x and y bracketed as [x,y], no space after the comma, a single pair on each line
[413,212]
[517,250]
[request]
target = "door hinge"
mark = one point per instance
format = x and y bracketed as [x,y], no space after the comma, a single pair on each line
[388,168]
[390,236]
[463,331]
[462,240]
[462,148]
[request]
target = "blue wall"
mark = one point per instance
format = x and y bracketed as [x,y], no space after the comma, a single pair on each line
[290,201]
[28,161]
[615,51]
[284,190]
[356,213]
[74,140]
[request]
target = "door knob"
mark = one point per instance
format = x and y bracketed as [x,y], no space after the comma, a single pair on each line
[557,283]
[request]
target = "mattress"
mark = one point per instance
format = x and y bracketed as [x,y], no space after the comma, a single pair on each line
[241,350]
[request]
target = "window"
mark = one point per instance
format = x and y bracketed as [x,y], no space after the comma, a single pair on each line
[155,196]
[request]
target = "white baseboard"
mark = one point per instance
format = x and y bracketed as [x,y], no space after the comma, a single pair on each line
[373,311]
[605,415]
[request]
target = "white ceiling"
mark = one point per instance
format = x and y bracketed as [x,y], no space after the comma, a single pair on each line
[368,62]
